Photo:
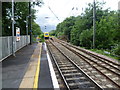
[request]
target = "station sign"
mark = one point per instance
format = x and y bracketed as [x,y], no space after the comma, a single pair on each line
[17,34]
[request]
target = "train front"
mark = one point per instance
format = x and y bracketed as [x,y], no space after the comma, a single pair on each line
[46,35]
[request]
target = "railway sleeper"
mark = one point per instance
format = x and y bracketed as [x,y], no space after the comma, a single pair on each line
[70,68]
[74,70]
[72,74]
[70,65]
[69,71]
[60,62]
[80,79]
[85,84]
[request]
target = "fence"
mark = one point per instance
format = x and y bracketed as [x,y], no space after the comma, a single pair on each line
[6,45]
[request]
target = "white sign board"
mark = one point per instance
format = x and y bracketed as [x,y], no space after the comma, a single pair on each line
[17,34]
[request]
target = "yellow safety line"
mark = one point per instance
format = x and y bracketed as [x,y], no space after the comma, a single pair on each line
[35,86]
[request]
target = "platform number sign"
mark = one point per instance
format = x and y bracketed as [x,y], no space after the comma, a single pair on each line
[17,34]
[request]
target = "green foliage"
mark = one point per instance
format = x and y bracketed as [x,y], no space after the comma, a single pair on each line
[117,49]
[60,34]
[36,29]
[103,53]
[79,30]
[41,36]
[75,36]
[65,27]
[21,11]
[105,32]
[6,19]
[52,33]
[86,38]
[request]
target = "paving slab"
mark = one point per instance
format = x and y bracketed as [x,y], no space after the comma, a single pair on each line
[14,68]
[31,78]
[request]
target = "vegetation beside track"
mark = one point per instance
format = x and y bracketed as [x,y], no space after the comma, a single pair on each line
[106,53]
[79,30]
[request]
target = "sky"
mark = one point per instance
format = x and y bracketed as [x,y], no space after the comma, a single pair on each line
[55,11]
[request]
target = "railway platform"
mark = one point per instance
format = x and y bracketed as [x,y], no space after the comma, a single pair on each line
[31,68]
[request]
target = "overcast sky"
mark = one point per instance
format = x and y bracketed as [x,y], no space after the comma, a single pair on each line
[62,9]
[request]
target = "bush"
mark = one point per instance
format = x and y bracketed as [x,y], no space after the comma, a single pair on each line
[41,38]
[117,49]
[86,38]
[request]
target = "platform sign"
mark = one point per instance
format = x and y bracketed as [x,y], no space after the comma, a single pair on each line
[17,34]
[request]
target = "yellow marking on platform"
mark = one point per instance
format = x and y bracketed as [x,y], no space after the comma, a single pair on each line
[35,86]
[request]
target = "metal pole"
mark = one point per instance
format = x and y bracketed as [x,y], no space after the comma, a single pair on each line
[27,28]
[30,26]
[13,41]
[94,23]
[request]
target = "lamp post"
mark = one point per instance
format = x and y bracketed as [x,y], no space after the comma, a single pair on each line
[27,28]
[13,39]
[30,23]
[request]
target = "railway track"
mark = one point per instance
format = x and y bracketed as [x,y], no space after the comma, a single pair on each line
[112,69]
[117,64]
[73,76]
[107,71]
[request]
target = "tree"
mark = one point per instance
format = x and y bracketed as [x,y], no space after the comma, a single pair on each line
[65,27]
[6,19]
[36,29]
[80,29]
[86,38]
[52,33]
[21,12]
[106,30]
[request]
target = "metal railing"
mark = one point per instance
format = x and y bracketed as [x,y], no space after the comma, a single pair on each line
[6,45]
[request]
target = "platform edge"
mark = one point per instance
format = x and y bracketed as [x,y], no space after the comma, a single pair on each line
[35,85]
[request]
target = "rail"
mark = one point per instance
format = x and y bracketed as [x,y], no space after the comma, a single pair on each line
[84,58]
[75,66]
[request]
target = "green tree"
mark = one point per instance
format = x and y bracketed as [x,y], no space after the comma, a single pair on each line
[36,29]
[52,33]
[6,19]
[80,29]
[21,12]
[65,27]
[86,38]
[106,30]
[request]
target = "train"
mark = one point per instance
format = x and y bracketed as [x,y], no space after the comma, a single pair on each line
[46,35]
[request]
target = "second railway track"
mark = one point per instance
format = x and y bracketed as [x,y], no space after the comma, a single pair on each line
[73,76]
[108,68]
[105,73]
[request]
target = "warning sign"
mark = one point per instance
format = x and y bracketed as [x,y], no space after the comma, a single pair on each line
[17,34]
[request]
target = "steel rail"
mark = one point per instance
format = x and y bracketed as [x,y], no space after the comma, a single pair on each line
[99,87]
[66,84]
[94,55]
[84,58]
[100,64]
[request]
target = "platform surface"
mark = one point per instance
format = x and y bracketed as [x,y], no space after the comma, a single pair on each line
[14,68]
[31,68]
[45,80]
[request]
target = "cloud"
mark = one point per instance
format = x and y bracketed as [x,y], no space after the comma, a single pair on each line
[48,28]
[50,22]
[63,9]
